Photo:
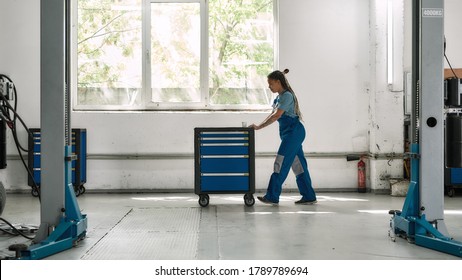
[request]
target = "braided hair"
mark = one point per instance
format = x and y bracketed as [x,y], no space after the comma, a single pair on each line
[280,76]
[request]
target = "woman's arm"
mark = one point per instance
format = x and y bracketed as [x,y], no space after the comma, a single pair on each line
[274,116]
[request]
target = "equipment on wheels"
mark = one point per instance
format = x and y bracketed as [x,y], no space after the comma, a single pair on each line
[224,162]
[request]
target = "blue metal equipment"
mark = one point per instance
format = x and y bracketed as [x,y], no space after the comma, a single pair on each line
[224,162]
[62,224]
[415,227]
[79,165]
[69,231]
[422,218]
[453,180]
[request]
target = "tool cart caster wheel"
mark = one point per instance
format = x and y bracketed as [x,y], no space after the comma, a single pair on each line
[451,192]
[35,192]
[82,189]
[249,200]
[204,200]
[77,191]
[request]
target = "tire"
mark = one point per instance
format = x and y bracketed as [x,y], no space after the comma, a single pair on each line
[204,200]
[35,192]
[249,200]
[77,191]
[451,192]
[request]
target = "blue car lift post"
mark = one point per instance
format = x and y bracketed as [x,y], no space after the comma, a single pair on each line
[422,218]
[62,224]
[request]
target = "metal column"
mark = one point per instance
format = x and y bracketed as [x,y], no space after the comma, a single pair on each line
[62,224]
[422,217]
[431,112]
[53,111]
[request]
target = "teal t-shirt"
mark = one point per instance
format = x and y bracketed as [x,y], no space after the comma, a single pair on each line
[286,103]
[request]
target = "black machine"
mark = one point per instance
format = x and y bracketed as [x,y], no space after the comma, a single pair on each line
[453,135]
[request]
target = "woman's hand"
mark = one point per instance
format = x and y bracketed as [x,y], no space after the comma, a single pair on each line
[274,116]
[254,126]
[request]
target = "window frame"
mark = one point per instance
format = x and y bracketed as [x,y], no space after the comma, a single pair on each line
[147,103]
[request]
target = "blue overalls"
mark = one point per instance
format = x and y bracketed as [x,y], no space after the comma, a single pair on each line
[290,154]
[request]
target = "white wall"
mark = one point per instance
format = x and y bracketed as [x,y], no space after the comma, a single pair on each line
[452,31]
[453,11]
[325,44]
[20,60]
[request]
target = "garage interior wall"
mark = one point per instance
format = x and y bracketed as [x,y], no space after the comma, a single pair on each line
[337,55]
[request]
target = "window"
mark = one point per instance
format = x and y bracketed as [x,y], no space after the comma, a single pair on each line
[175,52]
[179,54]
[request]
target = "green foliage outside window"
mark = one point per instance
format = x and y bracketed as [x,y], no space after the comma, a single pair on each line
[110,56]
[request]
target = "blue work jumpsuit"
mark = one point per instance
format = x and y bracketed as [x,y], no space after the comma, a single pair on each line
[290,153]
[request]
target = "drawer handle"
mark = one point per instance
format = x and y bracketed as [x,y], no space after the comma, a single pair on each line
[224,174]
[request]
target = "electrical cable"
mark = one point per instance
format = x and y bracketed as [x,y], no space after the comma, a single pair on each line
[16,116]
[15,232]
[5,111]
[447,60]
[450,66]
[12,125]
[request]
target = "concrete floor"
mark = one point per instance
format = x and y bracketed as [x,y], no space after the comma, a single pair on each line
[341,226]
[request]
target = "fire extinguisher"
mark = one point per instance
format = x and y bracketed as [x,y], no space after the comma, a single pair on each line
[361,176]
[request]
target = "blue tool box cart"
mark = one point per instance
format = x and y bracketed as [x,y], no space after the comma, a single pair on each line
[224,162]
[79,161]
